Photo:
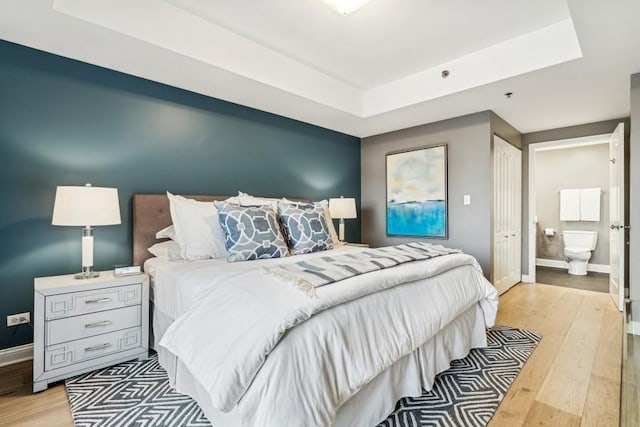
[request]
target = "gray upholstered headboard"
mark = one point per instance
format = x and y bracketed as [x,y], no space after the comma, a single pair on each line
[150,215]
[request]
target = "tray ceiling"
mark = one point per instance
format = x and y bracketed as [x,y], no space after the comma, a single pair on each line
[375,70]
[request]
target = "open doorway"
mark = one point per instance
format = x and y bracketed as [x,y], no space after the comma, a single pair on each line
[569,206]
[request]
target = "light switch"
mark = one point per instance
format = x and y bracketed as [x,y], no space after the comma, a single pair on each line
[467,199]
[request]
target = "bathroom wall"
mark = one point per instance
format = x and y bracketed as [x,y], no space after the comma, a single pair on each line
[588,168]
[588,129]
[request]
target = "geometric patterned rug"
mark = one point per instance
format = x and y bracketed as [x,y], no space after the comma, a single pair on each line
[138,394]
[135,393]
[469,392]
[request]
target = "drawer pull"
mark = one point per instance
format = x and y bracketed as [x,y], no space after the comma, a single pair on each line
[98,324]
[97,301]
[97,347]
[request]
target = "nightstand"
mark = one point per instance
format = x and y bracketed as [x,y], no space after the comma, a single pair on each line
[359,245]
[83,325]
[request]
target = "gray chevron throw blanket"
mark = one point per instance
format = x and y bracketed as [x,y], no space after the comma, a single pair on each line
[313,273]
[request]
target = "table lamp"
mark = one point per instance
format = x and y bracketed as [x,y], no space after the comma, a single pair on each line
[86,206]
[342,208]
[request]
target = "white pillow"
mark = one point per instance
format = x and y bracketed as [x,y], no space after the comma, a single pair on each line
[235,199]
[169,250]
[167,233]
[327,216]
[332,228]
[197,228]
[247,200]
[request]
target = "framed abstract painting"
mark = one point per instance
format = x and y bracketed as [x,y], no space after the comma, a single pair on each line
[417,192]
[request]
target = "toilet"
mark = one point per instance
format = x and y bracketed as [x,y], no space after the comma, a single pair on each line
[577,248]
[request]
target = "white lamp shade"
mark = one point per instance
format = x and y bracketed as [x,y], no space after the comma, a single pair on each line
[343,208]
[86,206]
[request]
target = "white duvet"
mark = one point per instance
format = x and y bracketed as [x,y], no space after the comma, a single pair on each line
[288,360]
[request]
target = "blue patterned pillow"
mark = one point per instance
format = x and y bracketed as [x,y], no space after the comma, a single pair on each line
[305,227]
[251,232]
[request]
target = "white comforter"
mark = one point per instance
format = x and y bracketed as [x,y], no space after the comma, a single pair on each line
[240,342]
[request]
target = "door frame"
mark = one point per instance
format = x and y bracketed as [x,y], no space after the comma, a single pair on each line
[531,196]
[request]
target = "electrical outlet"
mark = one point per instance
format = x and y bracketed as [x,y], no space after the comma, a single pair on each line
[18,319]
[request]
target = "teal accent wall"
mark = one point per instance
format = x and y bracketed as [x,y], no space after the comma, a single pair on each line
[64,122]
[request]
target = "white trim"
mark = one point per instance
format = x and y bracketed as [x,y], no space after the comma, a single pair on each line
[526,278]
[532,220]
[582,141]
[557,263]
[633,327]
[599,268]
[12,355]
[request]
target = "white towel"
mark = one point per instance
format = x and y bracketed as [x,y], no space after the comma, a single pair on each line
[570,205]
[590,204]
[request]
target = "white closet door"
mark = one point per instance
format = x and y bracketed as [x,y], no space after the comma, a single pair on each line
[507,208]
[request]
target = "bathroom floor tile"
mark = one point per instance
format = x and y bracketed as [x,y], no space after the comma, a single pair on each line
[598,282]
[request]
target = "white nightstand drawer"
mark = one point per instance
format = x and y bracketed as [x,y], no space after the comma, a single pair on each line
[61,355]
[77,303]
[88,325]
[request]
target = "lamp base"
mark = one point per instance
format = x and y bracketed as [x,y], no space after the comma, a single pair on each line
[87,255]
[90,275]
[87,273]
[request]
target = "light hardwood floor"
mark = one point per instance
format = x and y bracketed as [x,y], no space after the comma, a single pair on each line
[573,376]
[571,379]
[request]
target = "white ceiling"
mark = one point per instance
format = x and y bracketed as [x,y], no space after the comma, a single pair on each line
[385,40]
[375,70]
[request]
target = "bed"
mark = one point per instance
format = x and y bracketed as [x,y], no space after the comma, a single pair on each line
[345,364]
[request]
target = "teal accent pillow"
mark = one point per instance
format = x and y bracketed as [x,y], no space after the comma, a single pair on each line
[251,232]
[305,227]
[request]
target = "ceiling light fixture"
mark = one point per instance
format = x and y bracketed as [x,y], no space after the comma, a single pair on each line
[345,7]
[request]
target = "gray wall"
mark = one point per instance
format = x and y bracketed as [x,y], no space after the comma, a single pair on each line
[468,142]
[588,168]
[597,128]
[505,131]
[634,170]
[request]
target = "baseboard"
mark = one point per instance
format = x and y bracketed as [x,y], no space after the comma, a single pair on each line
[633,328]
[12,355]
[526,279]
[599,268]
[557,263]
